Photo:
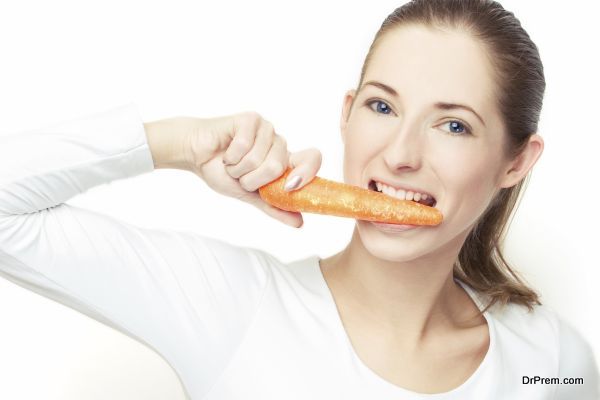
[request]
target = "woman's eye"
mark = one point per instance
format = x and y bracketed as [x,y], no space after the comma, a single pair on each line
[457,128]
[380,107]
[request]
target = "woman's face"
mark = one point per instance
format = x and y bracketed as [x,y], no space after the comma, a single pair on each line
[401,134]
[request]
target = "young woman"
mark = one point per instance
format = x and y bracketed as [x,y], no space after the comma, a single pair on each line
[445,112]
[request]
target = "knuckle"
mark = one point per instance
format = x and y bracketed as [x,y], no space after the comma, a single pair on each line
[233,172]
[248,118]
[253,116]
[242,142]
[316,153]
[269,126]
[274,168]
[253,161]
[282,140]
[245,184]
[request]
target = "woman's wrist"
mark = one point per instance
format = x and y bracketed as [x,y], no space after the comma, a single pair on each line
[167,142]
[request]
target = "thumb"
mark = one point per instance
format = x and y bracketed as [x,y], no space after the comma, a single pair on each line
[305,164]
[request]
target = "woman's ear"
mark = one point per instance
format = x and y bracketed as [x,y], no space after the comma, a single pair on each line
[524,162]
[346,108]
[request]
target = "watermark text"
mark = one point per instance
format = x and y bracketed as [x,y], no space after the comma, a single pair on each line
[538,380]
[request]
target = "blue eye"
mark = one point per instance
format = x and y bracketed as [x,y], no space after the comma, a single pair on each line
[457,128]
[381,108]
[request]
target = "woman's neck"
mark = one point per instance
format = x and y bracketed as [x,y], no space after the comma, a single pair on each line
[406,299]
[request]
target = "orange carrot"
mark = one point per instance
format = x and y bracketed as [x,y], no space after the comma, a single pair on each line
[323,196]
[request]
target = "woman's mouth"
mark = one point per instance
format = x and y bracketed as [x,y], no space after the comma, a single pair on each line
[418,197]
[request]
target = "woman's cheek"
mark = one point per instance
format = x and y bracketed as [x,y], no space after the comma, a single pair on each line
[356,157]
[361,144]
[471,187]
[450,152]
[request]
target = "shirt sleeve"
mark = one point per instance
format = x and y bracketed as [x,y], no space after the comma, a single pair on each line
[189,297]
[576,361]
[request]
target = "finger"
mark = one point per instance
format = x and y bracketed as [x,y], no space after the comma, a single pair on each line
[273,166]
[257,154]
[290,218]
[305,164]
[244,131]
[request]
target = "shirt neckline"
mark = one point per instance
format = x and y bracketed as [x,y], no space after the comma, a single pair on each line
[313,262]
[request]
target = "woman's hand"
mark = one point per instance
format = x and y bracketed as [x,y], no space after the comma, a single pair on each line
[234,155]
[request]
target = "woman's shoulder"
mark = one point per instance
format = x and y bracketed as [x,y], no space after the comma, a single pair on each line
[539,319]
[519,320]
[543,329]
[540,323]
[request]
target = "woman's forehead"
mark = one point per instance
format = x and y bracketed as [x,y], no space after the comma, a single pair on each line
[431,65]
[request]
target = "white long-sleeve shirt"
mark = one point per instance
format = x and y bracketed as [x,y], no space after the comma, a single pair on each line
[233,322]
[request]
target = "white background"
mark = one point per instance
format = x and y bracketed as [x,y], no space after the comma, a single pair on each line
[291,62]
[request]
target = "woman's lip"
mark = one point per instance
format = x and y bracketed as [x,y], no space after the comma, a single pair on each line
[392,228]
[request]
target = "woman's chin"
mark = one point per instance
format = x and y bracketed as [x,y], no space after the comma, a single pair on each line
[392,243]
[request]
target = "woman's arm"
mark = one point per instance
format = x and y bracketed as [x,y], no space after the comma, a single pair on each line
[43,168]
[188,297]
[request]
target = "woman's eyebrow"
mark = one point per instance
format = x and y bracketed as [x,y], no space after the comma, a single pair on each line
[451,106]
[439,105]
[382,86]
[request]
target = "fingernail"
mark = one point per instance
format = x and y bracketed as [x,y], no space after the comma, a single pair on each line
[292,183]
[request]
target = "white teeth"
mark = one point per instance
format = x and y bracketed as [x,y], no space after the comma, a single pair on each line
[400,193]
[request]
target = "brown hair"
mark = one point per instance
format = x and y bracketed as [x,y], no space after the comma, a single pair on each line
[519,76]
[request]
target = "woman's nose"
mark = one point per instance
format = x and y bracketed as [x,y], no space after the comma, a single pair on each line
[404,151]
